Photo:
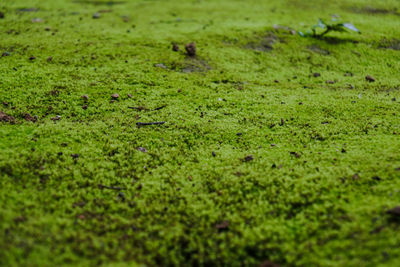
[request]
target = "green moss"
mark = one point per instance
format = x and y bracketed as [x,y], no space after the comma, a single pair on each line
[325,155]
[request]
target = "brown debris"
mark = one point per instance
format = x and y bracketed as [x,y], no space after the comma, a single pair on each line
[75,156]
[369,78]
[191,49]
[54,92]
[175,47]
[6,118]
[126,18]
[20,219]
[149,123]
[223,226]
[142,149]
[248,158]
[296,154]
[28,117]
[56,118]
[79,204]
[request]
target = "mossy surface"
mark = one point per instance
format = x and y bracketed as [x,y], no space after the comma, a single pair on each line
[259,159]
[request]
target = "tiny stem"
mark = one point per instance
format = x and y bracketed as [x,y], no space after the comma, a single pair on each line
[325,32]
[314,33]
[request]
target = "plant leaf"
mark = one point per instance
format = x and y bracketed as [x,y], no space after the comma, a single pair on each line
[351,27]
[321,24]
[305,34]
[338,27]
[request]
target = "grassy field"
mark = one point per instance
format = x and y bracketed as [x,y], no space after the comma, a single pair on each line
[275,150]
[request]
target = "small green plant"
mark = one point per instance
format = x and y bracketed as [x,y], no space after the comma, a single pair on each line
[334,26]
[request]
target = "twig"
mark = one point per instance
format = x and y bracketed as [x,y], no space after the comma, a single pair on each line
[159,108]
[138,108]
[149,123]
[143,108]
[323,33]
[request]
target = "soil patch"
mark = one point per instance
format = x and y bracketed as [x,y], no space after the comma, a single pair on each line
[6,118]
[263,44]
[389,44]
[317,49]
[194,64]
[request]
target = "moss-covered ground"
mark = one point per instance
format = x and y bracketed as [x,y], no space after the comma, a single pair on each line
[275,149]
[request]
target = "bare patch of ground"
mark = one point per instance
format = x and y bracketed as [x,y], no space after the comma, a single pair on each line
[194,64]
[389,44]
[317,49]
[264,43]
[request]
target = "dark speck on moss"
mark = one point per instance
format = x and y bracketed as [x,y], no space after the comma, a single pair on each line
[248,158]
[369,78]
[222,226]
[175,47]
[394,213]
